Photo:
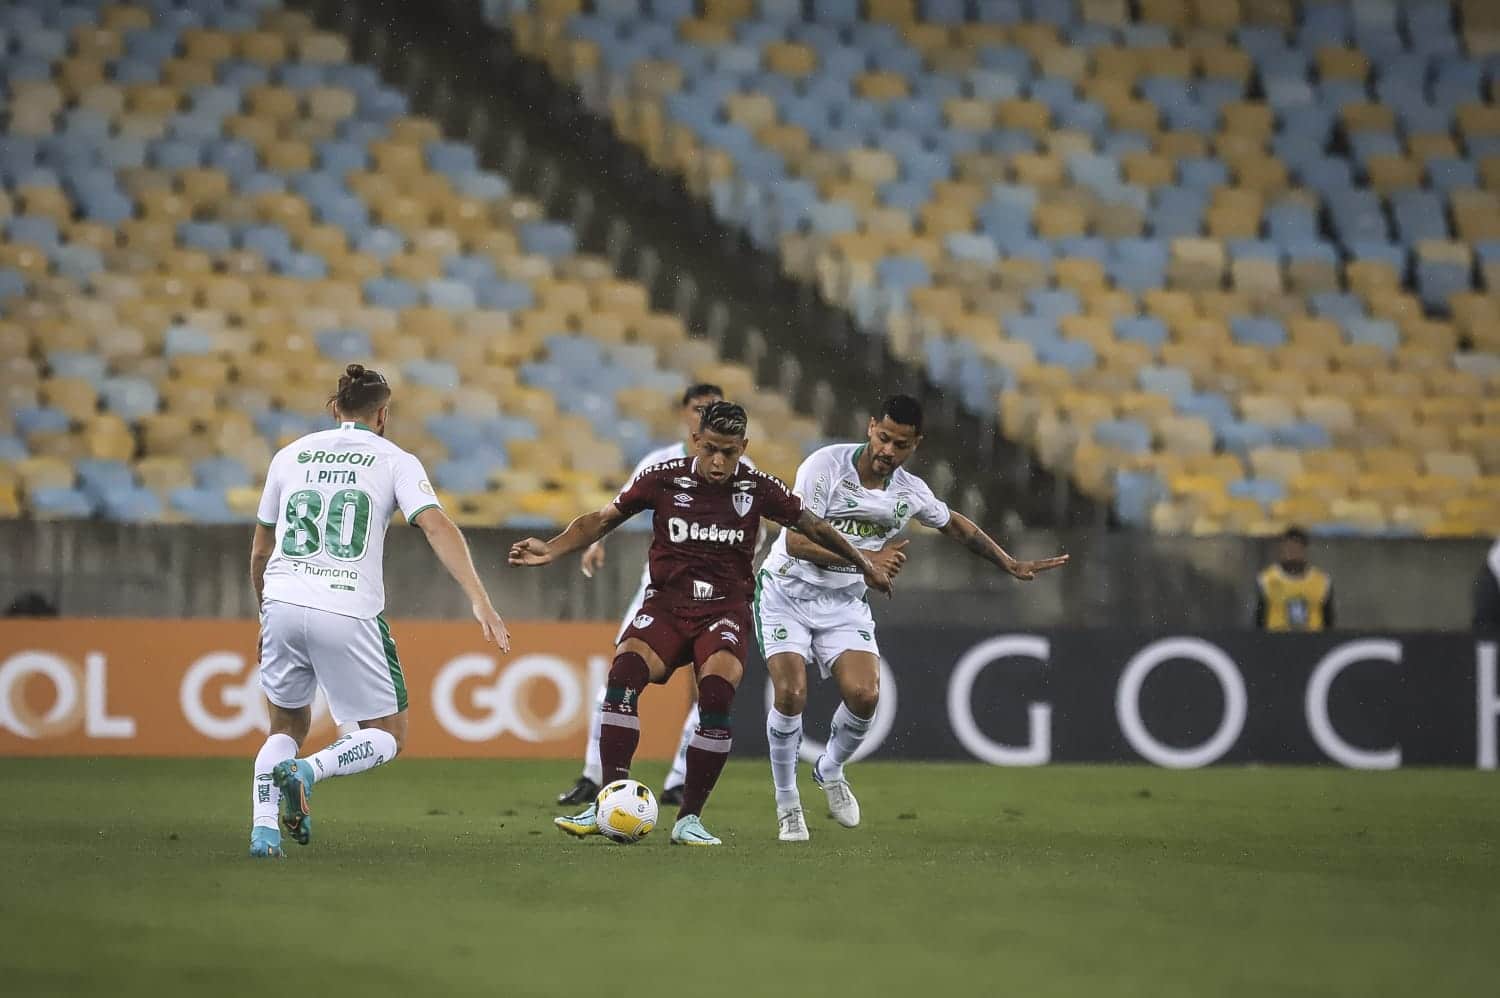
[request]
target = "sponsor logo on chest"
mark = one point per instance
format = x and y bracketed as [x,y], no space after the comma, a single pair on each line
[679,530]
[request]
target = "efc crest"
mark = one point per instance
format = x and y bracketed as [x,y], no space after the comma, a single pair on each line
[642,621]
[742,502]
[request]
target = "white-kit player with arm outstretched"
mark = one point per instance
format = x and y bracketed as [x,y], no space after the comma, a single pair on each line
[317,565]
[810,603]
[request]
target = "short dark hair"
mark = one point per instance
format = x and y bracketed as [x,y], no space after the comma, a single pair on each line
[904,410]
[728,418]
[701,390]
[1295,534]
[361,391]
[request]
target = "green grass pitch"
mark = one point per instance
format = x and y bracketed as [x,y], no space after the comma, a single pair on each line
[128,877]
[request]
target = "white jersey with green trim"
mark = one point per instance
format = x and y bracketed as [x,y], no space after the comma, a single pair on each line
[330,496]
[671,452]
[828,484]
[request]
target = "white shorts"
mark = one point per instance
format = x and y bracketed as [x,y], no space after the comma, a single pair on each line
[352,658]
[820,630]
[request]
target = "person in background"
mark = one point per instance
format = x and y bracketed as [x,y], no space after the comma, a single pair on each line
[1292,595]
[1487,593]
[31,604]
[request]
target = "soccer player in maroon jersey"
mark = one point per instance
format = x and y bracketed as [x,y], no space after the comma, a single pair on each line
[707,511]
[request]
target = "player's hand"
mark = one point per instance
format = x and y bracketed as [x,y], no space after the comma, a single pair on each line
[878,578]
[891,557]
[592,560]
[530,552]
[1028,570]
[494,628]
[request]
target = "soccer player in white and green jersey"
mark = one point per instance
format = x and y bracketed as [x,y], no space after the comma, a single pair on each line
[810,603]
[317,567]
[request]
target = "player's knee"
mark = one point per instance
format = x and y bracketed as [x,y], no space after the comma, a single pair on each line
[629,672]
[863,699]
[791,698]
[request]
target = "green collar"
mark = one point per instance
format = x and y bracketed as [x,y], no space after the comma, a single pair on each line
[350,424]
[858,451]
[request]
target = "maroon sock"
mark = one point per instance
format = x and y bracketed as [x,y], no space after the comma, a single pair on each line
[709,748]
[619,725]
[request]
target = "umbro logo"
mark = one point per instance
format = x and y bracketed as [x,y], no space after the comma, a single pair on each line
[682,500]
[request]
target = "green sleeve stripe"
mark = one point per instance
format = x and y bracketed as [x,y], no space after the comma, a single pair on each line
[418,512]
[263,523]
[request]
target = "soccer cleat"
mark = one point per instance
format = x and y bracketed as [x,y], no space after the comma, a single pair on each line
[580,825]
[793,824]
[294,778]
[265,843]
[671,796]
[689,831]
[582,792]
[842,806]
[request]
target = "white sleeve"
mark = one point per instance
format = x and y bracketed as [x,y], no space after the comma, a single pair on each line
[414,492]
[931,511]
[269,512]
[815,483]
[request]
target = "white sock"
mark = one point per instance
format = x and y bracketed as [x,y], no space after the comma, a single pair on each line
[593,768]
[784,733]
[678,775]
[354,753]
[843,741]
[264,797]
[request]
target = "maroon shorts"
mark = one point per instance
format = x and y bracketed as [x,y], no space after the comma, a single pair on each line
[688,633]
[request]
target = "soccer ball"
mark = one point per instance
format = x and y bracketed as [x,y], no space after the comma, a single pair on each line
[626,811]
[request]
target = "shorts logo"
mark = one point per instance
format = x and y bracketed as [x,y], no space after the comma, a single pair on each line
[642,621]
[730,637]
[682,500]
[703,590]
[779,633]
[742,502]
[863,634]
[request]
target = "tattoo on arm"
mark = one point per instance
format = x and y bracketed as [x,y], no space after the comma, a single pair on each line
[800,546]
[967,532]
[821,531]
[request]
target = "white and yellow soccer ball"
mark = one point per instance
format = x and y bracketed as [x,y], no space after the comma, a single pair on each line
[626,811]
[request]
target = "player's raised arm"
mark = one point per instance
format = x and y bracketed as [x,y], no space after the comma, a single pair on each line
[448,544]
[582,532]
[891,557]
[967,533]
[822,532]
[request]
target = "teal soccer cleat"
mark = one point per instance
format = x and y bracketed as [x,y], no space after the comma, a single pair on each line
[294,778]
[580,825]
[689,831]
[265,843]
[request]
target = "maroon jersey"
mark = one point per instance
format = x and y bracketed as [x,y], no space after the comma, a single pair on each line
[705,533]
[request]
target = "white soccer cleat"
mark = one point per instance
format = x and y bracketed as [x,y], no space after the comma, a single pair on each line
[792,823]
[842,805]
